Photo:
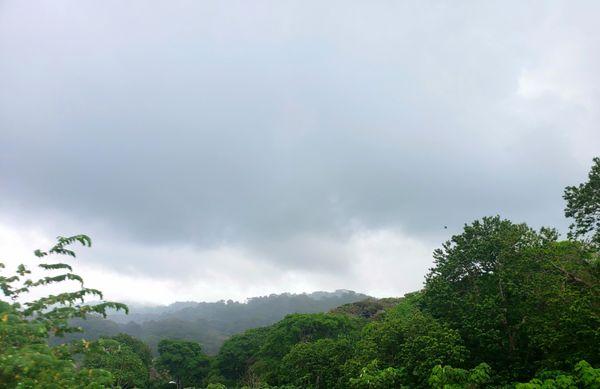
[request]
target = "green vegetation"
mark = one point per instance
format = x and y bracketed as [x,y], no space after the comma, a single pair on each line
[583,205]
[26,360]
[207,323]
[125,365]
[184,361]
[504,306]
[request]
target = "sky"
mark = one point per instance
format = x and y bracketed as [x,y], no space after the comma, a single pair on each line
[229,149]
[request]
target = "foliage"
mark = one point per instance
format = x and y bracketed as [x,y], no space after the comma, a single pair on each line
[255,356]
[317,364]
[294,329]
[448,377]
[54,311]
[184,360]
[372,377]
[138,347]
[304,328]
[216,386]
[583,376]
[239,353]
[559,303]
[409,339]
[583,205]
[26,359]
[369,308]
[520,300]
[120,360]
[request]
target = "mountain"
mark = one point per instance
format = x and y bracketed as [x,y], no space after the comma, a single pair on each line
[210,323]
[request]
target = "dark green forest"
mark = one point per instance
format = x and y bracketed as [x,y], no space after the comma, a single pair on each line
[504,305]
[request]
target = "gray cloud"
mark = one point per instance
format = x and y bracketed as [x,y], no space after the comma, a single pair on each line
[287,127]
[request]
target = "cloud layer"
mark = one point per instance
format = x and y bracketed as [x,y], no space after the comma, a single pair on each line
[224,149]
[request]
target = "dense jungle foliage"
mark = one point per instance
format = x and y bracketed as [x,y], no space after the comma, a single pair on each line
[503,306]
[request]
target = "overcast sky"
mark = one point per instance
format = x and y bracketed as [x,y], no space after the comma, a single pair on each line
[227,149]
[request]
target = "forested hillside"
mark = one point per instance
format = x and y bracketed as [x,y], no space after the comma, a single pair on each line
[504,305]
[207,323]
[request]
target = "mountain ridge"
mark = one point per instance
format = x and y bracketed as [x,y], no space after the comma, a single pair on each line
[211,323]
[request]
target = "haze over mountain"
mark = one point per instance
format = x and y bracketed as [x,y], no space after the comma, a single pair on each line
[210,323]
[260,306]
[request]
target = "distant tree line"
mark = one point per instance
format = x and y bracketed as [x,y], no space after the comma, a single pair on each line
[207,323]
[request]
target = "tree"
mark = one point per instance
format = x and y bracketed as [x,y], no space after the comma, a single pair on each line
[120,360]
[583,205]
[412,342]
[448,377]
[239,353]
[55,311]
[294,329]
[141,349]
[184,360]
[583,376]
[471,289]
[558,293]
[373,377]
[317,364]
[26,360]
[521,300]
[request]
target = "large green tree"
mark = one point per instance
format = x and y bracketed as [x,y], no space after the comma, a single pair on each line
[373,376]
[294,329]
[126,367]
[520,299]
[448,377]
[583,206]
[583,376]
[407,339]
[184,360]
[305,328]
[256,356]
[141,349]
[239,353]
[317,364]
